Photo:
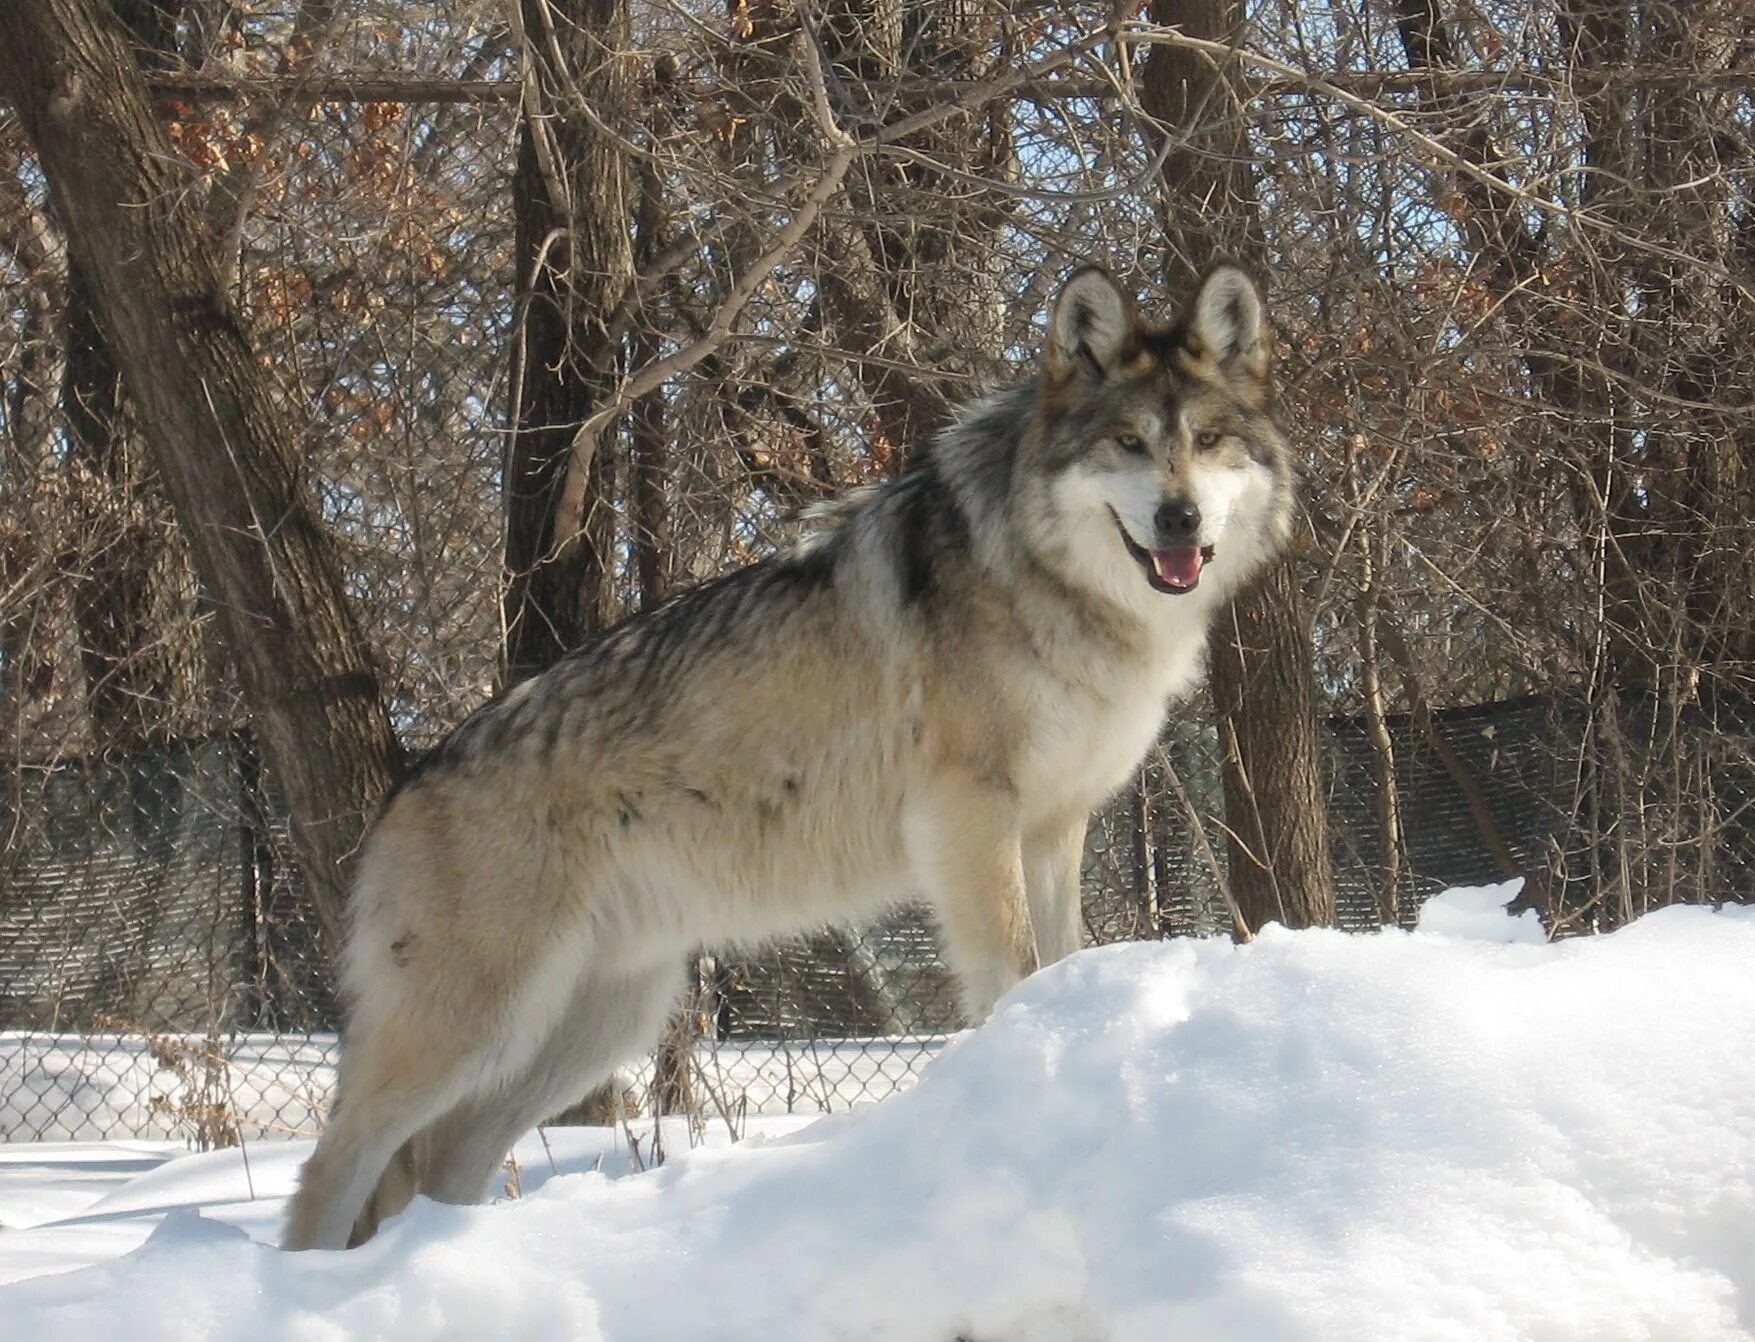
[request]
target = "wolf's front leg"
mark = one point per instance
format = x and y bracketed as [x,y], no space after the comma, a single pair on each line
[1051,875]
[967,851]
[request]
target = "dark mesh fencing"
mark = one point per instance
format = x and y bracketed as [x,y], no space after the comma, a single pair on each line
[160,973]
[161,976]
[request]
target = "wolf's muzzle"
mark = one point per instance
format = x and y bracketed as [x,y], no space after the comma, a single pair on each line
[1172,567]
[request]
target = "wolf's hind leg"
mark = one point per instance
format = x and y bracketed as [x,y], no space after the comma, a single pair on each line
[394,1190]
[395,1080]
[610,1019]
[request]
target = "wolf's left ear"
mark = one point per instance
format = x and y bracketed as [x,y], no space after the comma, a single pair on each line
[1094,327]
[1226,324]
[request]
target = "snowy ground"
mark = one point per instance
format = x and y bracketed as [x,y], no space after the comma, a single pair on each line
[1460,1133]
[68,1205]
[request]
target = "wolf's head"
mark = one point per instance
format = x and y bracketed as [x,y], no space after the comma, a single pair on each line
[1157,445]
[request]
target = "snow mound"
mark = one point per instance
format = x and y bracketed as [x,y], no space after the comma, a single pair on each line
[1478,913]
[1409,1136]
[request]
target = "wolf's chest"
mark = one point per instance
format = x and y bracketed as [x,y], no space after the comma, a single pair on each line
[1085,746]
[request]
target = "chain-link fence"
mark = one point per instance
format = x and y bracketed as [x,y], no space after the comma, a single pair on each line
[160,974]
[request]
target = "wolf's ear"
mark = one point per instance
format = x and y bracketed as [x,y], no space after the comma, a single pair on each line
[1093,328]
[1225,324]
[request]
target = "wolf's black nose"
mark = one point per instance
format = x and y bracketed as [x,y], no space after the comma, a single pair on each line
[1178,522]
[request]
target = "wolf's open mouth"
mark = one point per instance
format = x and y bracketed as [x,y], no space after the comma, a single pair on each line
[1175,570]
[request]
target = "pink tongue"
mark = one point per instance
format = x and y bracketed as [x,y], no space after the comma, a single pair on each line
[1178,568]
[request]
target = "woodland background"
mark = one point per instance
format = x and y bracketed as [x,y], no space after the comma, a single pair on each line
[358,357]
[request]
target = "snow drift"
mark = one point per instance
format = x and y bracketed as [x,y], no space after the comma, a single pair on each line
[1457,1133]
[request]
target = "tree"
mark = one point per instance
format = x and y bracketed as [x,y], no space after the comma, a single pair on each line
[1507,249]
[1626,341]
[573,206]
[1262,662]
[136,662]
[223,443]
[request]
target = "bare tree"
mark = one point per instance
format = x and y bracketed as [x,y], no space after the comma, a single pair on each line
[1262,663]
[138,663]
[224,446]
[573,204]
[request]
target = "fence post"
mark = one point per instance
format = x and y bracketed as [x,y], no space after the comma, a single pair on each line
[1145,866]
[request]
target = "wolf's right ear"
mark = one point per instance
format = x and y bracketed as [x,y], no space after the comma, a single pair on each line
[1094,327]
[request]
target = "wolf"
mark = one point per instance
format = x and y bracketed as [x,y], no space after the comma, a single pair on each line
[926,698]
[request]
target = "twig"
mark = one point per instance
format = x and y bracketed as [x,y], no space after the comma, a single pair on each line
[1153,35]
[228,206]
[394,87]
[1197,828]
[570,507]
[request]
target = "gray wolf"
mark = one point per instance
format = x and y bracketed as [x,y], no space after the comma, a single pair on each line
[928,697]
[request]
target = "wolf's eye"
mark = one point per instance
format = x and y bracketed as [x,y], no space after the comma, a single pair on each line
[1207,441]
[1131,442]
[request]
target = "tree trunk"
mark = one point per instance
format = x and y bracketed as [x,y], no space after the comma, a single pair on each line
[1390,839]
[37,374]
[226,452]
[571,198]
[648,487]
[130,699]
[40,261]
[1276,805]
[112,584]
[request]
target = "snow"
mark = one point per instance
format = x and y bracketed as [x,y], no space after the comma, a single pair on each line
[1460,1132]
[67,1205]
[1477,912]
